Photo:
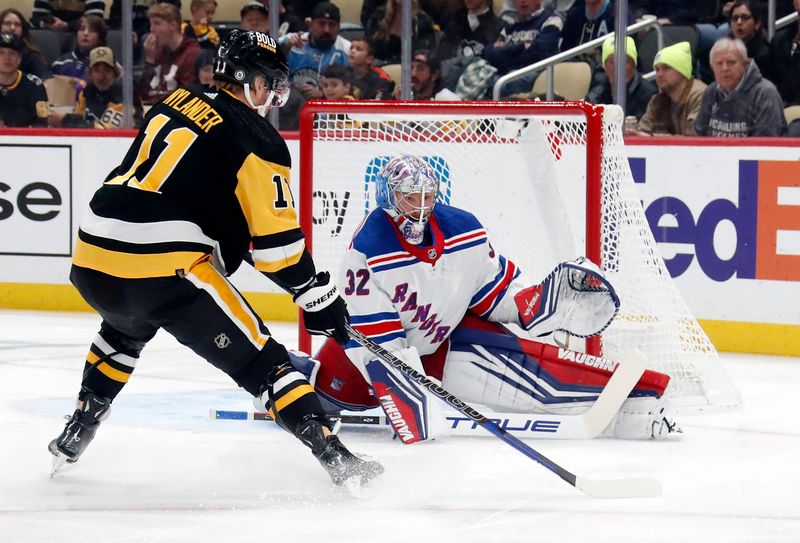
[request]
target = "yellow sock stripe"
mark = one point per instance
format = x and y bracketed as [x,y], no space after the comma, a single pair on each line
[293,395]
[113,373]
[92,358]
[230,301]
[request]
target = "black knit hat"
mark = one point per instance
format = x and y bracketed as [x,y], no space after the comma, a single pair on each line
[10,41]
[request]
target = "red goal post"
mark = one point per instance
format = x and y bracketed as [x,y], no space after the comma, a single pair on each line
[549,180]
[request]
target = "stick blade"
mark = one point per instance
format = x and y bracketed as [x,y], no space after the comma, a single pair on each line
[633,487]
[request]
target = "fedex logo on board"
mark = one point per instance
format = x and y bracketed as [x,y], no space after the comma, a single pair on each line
[765,218]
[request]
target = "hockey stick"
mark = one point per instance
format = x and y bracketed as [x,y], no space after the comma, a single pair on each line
[633,487]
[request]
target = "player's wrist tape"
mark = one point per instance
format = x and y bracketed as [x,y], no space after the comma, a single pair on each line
[319,295]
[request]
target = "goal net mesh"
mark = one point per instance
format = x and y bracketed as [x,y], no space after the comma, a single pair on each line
[523,172]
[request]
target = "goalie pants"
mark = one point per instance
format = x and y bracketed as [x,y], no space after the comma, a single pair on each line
[484,363]
[203,311]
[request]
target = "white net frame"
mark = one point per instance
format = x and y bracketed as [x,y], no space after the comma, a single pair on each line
[549,180]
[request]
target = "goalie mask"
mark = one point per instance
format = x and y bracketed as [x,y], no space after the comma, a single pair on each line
[244,56]
[407,189]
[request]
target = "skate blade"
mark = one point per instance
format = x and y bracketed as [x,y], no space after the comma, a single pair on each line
[355,486]
[59,460]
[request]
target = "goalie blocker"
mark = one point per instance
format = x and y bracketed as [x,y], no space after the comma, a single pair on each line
[486,364]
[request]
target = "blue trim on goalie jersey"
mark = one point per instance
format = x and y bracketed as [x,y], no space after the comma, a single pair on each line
[480,296]
[379,327]
[377,238]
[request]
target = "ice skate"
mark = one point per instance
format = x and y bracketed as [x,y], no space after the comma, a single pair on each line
[79,431]
[343,467]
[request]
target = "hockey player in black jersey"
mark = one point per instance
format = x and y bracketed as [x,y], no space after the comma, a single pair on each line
[206,176]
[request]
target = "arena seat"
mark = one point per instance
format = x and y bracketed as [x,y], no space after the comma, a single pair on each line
[350,11]
[394,71]
[792,113]
[571,81]
[48,43]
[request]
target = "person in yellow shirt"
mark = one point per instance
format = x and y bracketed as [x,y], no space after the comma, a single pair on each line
[200,27]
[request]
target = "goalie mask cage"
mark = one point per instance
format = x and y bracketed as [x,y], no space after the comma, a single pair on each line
[549,180]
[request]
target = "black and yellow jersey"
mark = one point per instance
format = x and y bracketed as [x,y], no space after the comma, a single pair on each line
[205,177]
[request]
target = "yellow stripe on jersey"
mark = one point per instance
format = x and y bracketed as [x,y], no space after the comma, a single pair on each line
[265,198]
[133,266]
[205,276]
[293,395]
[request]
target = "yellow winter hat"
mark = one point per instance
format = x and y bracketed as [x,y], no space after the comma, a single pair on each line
[678,57]
[630,48]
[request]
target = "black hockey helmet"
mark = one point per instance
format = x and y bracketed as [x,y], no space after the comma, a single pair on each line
[244,55]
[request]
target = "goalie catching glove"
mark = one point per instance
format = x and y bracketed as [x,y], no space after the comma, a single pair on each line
[575,298]
[324,311]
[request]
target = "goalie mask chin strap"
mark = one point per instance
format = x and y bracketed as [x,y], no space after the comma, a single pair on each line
[262,109]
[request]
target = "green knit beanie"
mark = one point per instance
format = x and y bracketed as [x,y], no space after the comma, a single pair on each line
[678,57]
[608,49]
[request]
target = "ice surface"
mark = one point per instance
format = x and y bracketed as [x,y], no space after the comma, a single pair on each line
[161,471]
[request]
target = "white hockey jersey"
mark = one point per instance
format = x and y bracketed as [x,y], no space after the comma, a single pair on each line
[403,295]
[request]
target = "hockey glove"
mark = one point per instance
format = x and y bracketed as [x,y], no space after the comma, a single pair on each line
[575,298]
[324,311]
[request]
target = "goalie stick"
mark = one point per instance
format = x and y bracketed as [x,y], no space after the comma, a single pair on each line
[631,487]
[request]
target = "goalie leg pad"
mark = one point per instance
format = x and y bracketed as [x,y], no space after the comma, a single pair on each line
[505,372]
[414,413]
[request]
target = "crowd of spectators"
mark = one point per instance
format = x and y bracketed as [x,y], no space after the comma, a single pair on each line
[732,80]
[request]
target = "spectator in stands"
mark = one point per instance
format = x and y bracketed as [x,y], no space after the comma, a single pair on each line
[141,24]
[65,14]
[169,55]
[254,16]
[33,62]
[200,27]
[785,61]
[674,109]
[532,38]
[740,102]
[748,18]
[386,25]
[92,32]
[337,83]
[313,51]
[475,23]
[369,82]
[100,104]
[204,66]
[588,21]
[426,78]
[638,90]
[23,99]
